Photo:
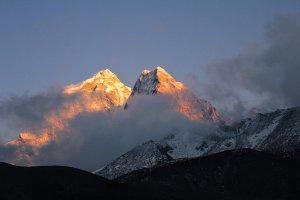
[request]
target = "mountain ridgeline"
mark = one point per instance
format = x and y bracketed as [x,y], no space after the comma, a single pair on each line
[256,158]
[230,175]
[104,92]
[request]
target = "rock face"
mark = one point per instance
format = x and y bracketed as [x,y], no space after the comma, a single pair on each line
[182,100]
[277,132]
[158,81]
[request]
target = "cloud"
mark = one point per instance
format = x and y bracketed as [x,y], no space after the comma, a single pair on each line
[95,139]
[264,75]
[92,139]
[29,112]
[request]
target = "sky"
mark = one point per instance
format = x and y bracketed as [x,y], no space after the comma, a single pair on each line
[56,43]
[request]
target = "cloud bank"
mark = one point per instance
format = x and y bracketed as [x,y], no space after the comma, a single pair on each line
[265,75]
[91,139]
[95,139]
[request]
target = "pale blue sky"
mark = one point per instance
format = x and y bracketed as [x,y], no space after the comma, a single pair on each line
[45,43]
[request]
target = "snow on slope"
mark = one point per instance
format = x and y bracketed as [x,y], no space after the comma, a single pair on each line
[177,145]
[144,156]
[106,82]
[276,132]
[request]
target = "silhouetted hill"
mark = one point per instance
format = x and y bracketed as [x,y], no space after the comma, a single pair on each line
[58,183]
[236,174]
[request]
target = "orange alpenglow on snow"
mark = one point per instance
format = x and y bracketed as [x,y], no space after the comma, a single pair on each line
[104,82]
[103,91]
[159,82]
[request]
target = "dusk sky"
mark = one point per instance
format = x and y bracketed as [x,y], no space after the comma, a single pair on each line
[46,43]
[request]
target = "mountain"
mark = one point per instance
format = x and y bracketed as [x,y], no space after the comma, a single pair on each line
[158,81]
[238,174]
[102,92]
[181,99]
[147,155]
[175,146]
[277,132]
[107,85]
[57,182]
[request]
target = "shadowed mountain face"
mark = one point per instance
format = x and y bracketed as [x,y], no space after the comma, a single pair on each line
[22,183]
[240,174]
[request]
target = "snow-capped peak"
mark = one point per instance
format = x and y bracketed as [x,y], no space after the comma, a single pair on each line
[101,92]
[146,72]
[158,81]
[182,100]
[105,81]
[106,73]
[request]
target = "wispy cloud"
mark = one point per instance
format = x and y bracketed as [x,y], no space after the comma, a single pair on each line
[264,75]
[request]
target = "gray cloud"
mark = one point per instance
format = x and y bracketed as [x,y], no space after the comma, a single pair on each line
[92,139]
[28,112]
[265,75]
[97,138]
